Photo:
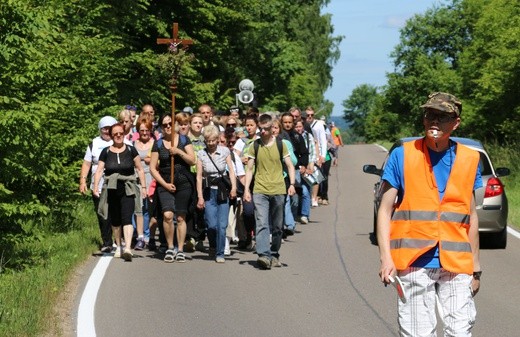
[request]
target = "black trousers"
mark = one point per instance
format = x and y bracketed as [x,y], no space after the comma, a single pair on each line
[324,186]
[104,225]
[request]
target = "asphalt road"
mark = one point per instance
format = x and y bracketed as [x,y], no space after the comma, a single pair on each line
[328,285]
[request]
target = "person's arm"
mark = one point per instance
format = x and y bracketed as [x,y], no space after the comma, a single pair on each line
[200,195]
[323,145]
[232,177]
[384,215]
[290,168]
[97,177]
[188,155]
[340,138]
[85,168]
[249,178]
[140,174]
[474,242]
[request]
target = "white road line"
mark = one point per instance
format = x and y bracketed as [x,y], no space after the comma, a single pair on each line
[86,326]
[513,232]
[381,147]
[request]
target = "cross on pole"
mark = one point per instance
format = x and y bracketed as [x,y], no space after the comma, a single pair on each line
[173,44]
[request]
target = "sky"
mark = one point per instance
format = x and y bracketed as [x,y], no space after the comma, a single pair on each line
[371,31]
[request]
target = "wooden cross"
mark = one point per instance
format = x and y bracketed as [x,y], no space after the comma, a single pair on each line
[174,43]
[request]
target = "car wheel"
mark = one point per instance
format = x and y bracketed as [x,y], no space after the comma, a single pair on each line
[498,240]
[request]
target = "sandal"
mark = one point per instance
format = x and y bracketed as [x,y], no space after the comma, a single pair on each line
[180,257]
[170,256]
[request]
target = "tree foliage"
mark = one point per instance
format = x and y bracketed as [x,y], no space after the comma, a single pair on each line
[469,48]
[357,107]
[65,64]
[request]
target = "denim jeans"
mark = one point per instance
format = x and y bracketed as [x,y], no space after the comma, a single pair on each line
[269,220]
[146,219]
[305,200]
[288,215]
[216,217]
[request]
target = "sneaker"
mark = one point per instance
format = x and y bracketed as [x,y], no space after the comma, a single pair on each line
[227,250]
[212,252]
[220,259]
[264,262]
[106,249]
[127,255]
[190,245]
[289,231]
[314,203]
[199,246]
[304,220]
[251,246]
[162,249]
[235,240]
[275,262]
[139,245]
[117,252]
[151,245]
[324,202]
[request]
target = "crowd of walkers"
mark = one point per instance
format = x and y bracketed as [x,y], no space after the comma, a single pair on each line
[207,181]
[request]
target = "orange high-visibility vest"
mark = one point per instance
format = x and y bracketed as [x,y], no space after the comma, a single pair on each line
[422,220]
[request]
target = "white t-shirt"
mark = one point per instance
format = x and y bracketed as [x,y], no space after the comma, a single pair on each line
[318,131]
[92,156]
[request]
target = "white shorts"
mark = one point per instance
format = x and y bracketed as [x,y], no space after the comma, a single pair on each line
[426,288]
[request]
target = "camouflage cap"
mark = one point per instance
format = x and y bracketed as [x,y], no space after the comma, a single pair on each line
[444,102]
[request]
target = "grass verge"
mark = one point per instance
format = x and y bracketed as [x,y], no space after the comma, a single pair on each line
[28,297]
[508,156]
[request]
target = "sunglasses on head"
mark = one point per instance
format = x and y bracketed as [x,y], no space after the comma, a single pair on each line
[130,107]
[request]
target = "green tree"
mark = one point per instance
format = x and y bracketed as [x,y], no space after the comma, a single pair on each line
[426,60]
[64,64]
[491,71]
[357,107]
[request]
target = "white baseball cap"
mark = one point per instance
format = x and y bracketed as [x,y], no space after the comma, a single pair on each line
[106,121]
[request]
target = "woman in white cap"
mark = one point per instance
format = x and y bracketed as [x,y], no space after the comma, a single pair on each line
[90,163]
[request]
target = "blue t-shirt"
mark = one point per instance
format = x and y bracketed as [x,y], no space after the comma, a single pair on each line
[442,163]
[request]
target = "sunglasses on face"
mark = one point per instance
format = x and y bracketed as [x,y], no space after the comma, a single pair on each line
[167,125]
[231,125]
[117,134]
[266,129]
[310,115]
[441,118]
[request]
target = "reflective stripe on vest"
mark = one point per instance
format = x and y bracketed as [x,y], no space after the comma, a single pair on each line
[421,220]
[433,216]
[463,247]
